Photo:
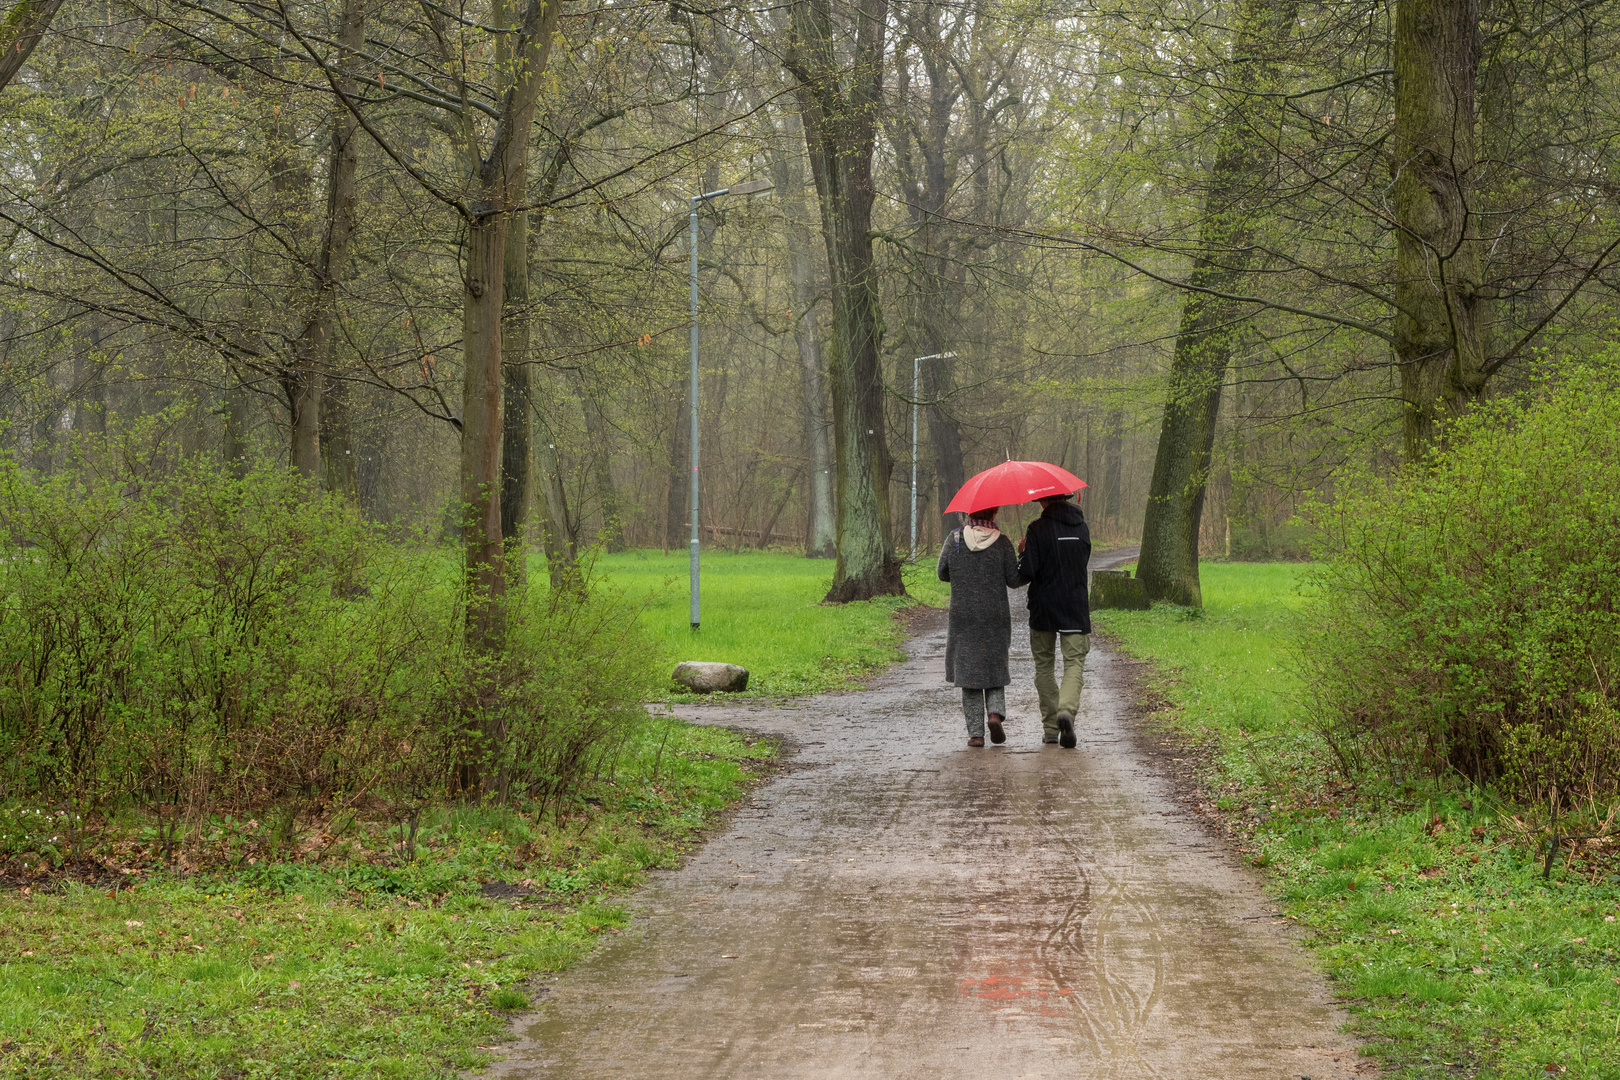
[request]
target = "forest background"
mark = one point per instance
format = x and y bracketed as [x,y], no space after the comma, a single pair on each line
[274,226]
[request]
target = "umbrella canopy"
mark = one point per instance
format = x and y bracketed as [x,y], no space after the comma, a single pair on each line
[1011,483]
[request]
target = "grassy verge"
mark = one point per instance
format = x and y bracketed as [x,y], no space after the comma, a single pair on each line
[363,958]
[1427,906]
[763,610]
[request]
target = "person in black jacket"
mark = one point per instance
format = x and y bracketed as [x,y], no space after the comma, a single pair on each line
[1054,554]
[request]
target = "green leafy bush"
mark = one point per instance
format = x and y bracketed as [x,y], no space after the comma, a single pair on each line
[1467,615]
[186,639]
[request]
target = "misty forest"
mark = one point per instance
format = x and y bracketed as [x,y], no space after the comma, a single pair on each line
[435,259]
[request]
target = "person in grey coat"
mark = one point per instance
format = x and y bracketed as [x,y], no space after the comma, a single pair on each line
[981,566]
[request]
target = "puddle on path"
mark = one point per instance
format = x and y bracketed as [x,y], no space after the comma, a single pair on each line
[898,906]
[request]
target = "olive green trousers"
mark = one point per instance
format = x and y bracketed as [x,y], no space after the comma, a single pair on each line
[1055,698]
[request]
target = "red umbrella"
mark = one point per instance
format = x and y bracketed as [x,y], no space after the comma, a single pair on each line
[1014,482]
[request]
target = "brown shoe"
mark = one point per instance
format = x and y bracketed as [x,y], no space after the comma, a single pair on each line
[975,741]
[997,735]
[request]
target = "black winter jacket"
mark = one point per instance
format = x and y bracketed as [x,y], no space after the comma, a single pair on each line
[1057,548]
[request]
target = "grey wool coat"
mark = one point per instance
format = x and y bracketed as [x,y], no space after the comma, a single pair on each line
[980,628]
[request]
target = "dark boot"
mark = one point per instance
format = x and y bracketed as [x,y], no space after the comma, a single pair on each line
[997,735]
[1065,731]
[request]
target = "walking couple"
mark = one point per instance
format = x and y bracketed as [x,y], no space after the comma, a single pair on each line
[980,564]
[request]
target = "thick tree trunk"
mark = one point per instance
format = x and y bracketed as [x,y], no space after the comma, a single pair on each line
[90,385]
[499,185]
[1439,308]
[303,384]
[42,435]
[1210,326]
[483,389]
[517,453]
[20,31]
[839,103]
[301,381]
[1204,343]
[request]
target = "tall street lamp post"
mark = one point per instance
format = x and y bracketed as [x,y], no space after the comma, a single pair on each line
[916,372]
[749,188]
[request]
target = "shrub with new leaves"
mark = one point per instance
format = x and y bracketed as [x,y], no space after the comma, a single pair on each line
[1466,618]
[174,635]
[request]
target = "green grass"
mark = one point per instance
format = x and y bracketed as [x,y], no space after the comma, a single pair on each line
[1427,906]
[363,964]
[763,610]
[1232,653]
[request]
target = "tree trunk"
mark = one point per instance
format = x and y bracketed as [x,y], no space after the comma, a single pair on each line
[482,422]
[499,186]
[597,433]
[945,438]
[333,442]
[90,385]
[839,104]
[337,441]
[820,541]
[924,161]
[22,28]
[234,443]
[1113,458]
[517,453]
[42,439]
[821,536]
[1211,326]
[676,493]
[559,531]
[1439,308]
[301,381]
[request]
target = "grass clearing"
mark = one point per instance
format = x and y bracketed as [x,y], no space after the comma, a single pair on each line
[1427,906]
[362,962]
[763,610]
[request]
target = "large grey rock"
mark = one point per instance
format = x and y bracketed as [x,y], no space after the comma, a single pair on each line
[1117,589]
[706,676]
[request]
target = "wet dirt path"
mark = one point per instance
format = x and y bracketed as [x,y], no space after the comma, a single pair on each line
[896,905]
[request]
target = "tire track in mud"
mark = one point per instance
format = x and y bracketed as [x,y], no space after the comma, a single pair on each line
[894,905]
